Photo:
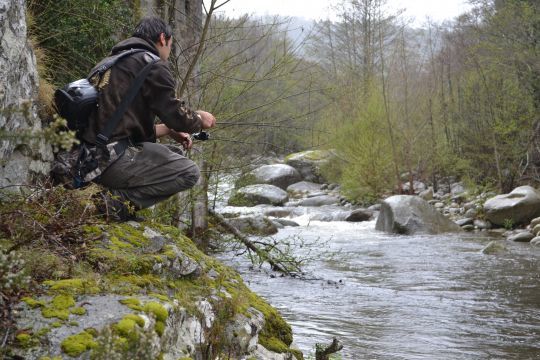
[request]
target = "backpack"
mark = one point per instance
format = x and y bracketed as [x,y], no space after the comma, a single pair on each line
[76,101]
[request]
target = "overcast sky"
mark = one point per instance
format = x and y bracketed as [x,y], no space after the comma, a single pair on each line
[437,10]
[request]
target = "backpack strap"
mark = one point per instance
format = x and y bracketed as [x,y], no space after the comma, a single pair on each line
[102,138]
[109,62]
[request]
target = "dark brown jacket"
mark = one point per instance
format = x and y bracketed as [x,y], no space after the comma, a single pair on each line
[157,97]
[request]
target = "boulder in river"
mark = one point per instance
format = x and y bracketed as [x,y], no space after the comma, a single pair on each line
[279,175]
[518,207]
[254,225]
[359,215]
[258,194]
[303,188]
[494,247]
[407,214]
[309,163]
[319,201]
[524,236]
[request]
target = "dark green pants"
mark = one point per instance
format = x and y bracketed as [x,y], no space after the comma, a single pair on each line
[149,173]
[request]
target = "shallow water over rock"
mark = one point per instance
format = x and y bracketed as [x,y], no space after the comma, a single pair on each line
[408,297]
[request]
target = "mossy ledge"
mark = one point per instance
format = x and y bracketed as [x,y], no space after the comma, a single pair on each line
[150,290]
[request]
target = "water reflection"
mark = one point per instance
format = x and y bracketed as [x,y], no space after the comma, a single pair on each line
[421,297]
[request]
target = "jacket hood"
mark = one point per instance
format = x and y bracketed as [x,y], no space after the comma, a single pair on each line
[134,43]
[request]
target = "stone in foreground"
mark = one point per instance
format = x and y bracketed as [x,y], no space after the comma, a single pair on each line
[518,207]
[406,214]
[259,194]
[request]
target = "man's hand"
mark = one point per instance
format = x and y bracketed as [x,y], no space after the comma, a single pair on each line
[182,138]
[208,120]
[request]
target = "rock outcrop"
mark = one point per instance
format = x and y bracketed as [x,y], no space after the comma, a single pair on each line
[518,207]
[22,158]
[155,296]
[406,214]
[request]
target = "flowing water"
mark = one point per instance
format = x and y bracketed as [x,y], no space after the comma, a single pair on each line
[408,297]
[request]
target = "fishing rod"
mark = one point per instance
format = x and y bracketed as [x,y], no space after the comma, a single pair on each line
[227,124]
[204,136]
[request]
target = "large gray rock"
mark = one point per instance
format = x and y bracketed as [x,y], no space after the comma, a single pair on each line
[22,158]
[406,214]
[303,188]
[279,175]
[254,225]
[319,201]
[252,195]
[359,215]
[309,163]
[518,207]
[524,236]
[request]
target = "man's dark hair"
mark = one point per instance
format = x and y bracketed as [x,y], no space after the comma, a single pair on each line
[149,28]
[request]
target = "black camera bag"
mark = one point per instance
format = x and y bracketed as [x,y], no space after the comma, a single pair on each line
[76,101]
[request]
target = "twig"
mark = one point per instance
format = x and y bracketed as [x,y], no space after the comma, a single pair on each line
[249,244]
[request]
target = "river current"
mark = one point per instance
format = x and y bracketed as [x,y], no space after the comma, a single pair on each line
[407,297]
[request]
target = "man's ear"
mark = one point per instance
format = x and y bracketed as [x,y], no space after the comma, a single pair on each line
[162,41]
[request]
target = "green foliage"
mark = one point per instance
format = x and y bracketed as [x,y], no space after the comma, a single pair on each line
[75,35]
[365,152]
[508,224]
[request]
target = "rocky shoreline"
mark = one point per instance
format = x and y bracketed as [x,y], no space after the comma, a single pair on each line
[267,197]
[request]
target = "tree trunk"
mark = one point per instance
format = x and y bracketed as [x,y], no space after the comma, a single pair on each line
[199,222]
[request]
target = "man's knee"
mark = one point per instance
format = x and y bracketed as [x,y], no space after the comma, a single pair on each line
[190,177]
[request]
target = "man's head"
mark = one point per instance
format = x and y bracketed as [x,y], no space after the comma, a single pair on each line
[156,31]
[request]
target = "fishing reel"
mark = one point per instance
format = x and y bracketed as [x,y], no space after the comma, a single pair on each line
[203,136]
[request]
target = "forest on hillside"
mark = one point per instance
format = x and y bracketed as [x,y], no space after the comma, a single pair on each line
[395,102]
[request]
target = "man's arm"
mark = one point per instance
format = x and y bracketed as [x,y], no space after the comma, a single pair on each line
[161,97]
[207,121]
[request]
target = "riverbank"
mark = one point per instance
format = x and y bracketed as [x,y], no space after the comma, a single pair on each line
[74,286]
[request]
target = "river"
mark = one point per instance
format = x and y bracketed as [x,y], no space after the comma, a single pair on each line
[407,297]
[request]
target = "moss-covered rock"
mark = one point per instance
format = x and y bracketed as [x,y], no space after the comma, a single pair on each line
[135,293]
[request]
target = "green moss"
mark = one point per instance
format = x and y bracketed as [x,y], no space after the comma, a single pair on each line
[63,302]
[159,328]
[24,340]
[128,234]
[125,326]
[56,324]
[73,323]
[132,303]
[55,313]
[59,307]
[43,331]
[158,310]
[117,243]
[73,286]
[78,311]
[138,320]
[92,331]
[75,345]
[160,297]
[33,303]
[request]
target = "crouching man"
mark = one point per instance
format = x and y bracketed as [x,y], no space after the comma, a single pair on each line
[145,172]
